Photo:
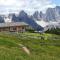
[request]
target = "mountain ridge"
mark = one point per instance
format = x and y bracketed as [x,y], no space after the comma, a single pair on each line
[51,15]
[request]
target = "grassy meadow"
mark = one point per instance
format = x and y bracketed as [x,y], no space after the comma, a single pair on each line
[41,46]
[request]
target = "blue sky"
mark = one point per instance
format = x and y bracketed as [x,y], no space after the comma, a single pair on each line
[57,2]
[11,6]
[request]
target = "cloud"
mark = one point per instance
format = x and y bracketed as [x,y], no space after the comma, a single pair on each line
[28,5]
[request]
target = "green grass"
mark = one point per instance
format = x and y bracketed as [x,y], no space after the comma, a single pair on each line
[41,46]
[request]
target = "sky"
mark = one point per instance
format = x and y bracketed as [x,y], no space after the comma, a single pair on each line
[29,6]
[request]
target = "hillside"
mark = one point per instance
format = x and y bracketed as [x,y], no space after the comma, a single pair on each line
[41,46]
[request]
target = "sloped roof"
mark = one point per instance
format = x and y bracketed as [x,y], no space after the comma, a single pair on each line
[9,24]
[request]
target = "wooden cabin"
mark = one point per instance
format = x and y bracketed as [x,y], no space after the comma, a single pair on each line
[13,27]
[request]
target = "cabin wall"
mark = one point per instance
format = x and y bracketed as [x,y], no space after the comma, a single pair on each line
[4,29]
[14,29]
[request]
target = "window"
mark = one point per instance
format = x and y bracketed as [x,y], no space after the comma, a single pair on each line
[14,28]
[22,27]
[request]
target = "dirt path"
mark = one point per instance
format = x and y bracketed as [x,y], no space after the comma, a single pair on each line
[25,49]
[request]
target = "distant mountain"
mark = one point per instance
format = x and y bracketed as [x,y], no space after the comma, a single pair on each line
[52,14]
[24,17]
[1,19]
[36,15]
[14,18]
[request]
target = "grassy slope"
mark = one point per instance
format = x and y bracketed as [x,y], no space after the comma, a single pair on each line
[41,46]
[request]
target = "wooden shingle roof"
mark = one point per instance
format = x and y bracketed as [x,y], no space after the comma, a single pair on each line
[9,24]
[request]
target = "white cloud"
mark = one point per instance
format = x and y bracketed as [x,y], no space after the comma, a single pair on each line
[27,5]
